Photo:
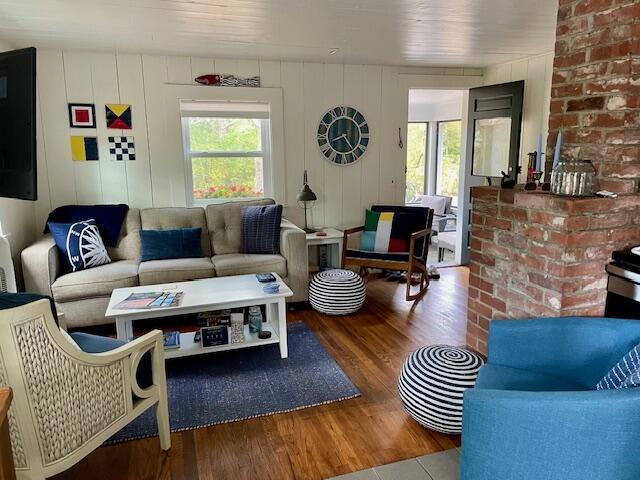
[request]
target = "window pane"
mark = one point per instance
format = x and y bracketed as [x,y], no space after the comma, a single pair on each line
[416,157]
[227,177]
[448,175]
[224,134]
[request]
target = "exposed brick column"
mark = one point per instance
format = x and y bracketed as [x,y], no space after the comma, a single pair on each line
[535,254]
[595,97]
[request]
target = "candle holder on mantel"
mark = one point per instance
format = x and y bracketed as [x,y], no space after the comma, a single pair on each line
[533,175]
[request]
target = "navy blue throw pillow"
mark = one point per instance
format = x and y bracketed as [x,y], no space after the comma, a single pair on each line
[80,243]
[166,244]
[261,229]
[625,373]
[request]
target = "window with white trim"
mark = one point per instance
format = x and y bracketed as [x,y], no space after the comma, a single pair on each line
[227,150]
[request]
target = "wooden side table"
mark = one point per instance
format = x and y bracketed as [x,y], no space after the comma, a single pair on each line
[333,241]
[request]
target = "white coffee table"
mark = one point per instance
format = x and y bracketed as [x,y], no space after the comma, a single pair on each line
[217,293]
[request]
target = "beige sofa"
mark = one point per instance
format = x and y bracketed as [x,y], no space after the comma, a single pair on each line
[83,296]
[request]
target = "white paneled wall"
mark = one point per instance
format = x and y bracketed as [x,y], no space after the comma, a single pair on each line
[536,72]
[309,89]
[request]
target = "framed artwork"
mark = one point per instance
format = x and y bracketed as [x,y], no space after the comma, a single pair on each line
[82,115]
[84,148]
[122,148]
[118,116]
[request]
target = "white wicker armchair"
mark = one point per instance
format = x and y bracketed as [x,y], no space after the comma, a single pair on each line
[68,402]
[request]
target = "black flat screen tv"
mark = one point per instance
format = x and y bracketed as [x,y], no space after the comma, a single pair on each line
[18,124]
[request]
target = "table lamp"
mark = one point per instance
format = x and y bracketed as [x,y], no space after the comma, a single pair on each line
[306,199]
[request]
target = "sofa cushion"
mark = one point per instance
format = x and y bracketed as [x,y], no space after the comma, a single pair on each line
[224,221]
[175,218]
[175,270]
[95,282]
[499,377]
[128,247]
[244,263]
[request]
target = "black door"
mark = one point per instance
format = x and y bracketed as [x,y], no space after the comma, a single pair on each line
[494,124]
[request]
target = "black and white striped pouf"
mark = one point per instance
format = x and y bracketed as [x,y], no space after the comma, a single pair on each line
[432,382]
[337,292]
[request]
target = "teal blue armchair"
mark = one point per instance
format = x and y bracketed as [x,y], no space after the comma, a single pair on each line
[535,414]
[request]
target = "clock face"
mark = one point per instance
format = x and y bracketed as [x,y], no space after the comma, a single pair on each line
[343,135]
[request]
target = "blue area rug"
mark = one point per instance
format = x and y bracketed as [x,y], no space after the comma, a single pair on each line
[229,386]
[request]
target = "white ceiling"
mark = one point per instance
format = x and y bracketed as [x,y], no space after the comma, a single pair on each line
[392,32]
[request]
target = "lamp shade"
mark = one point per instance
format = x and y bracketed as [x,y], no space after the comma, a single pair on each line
[306,195]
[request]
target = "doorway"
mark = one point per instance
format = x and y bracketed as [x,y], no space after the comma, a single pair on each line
[433,168]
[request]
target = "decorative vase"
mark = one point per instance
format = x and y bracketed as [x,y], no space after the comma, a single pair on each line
[237,328]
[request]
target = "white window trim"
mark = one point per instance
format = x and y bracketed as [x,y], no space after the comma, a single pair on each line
[167,148]
[265,154]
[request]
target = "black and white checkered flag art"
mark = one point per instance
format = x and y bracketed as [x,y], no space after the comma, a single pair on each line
[122,148]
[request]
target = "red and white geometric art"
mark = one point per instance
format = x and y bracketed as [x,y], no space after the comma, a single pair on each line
[82,115]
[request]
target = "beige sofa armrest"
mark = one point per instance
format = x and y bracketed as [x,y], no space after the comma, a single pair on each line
[40,265]
[293,247]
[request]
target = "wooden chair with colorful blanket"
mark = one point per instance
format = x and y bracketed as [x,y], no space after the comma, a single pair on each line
[392,238]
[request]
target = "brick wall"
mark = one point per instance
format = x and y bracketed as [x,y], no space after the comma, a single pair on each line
[535,254]
[595,96]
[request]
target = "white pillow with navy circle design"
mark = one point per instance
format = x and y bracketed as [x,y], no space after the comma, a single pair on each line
[80,243]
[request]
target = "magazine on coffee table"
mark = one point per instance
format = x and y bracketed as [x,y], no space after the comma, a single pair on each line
[137,301]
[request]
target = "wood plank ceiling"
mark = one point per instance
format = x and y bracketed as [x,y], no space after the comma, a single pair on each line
[391,32]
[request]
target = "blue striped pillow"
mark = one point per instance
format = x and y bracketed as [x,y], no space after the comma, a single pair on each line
[625,374]
[261,229]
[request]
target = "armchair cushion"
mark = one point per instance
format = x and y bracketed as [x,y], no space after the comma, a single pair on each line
[498,377]
[439,204]
[387,231]
[418,218]
[97,344]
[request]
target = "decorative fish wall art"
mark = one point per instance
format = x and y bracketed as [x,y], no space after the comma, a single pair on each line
[227,80]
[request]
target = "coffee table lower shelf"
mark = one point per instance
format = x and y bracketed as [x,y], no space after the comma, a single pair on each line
[188,347]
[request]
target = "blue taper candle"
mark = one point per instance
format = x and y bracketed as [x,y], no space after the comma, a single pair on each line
[556,155]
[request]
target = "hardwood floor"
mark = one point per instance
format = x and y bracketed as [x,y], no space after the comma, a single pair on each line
[325,441]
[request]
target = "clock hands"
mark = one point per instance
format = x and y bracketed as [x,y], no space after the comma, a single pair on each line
[344,135]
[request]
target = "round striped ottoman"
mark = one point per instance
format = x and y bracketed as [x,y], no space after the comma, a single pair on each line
[337,292]
[432,382]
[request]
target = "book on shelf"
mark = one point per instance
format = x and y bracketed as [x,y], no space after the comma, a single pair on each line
[171,340]
[138,301]
[217,317]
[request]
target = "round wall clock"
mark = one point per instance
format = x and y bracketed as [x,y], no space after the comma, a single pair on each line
[343,135]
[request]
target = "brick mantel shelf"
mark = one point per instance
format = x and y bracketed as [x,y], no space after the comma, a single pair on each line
[535,254]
